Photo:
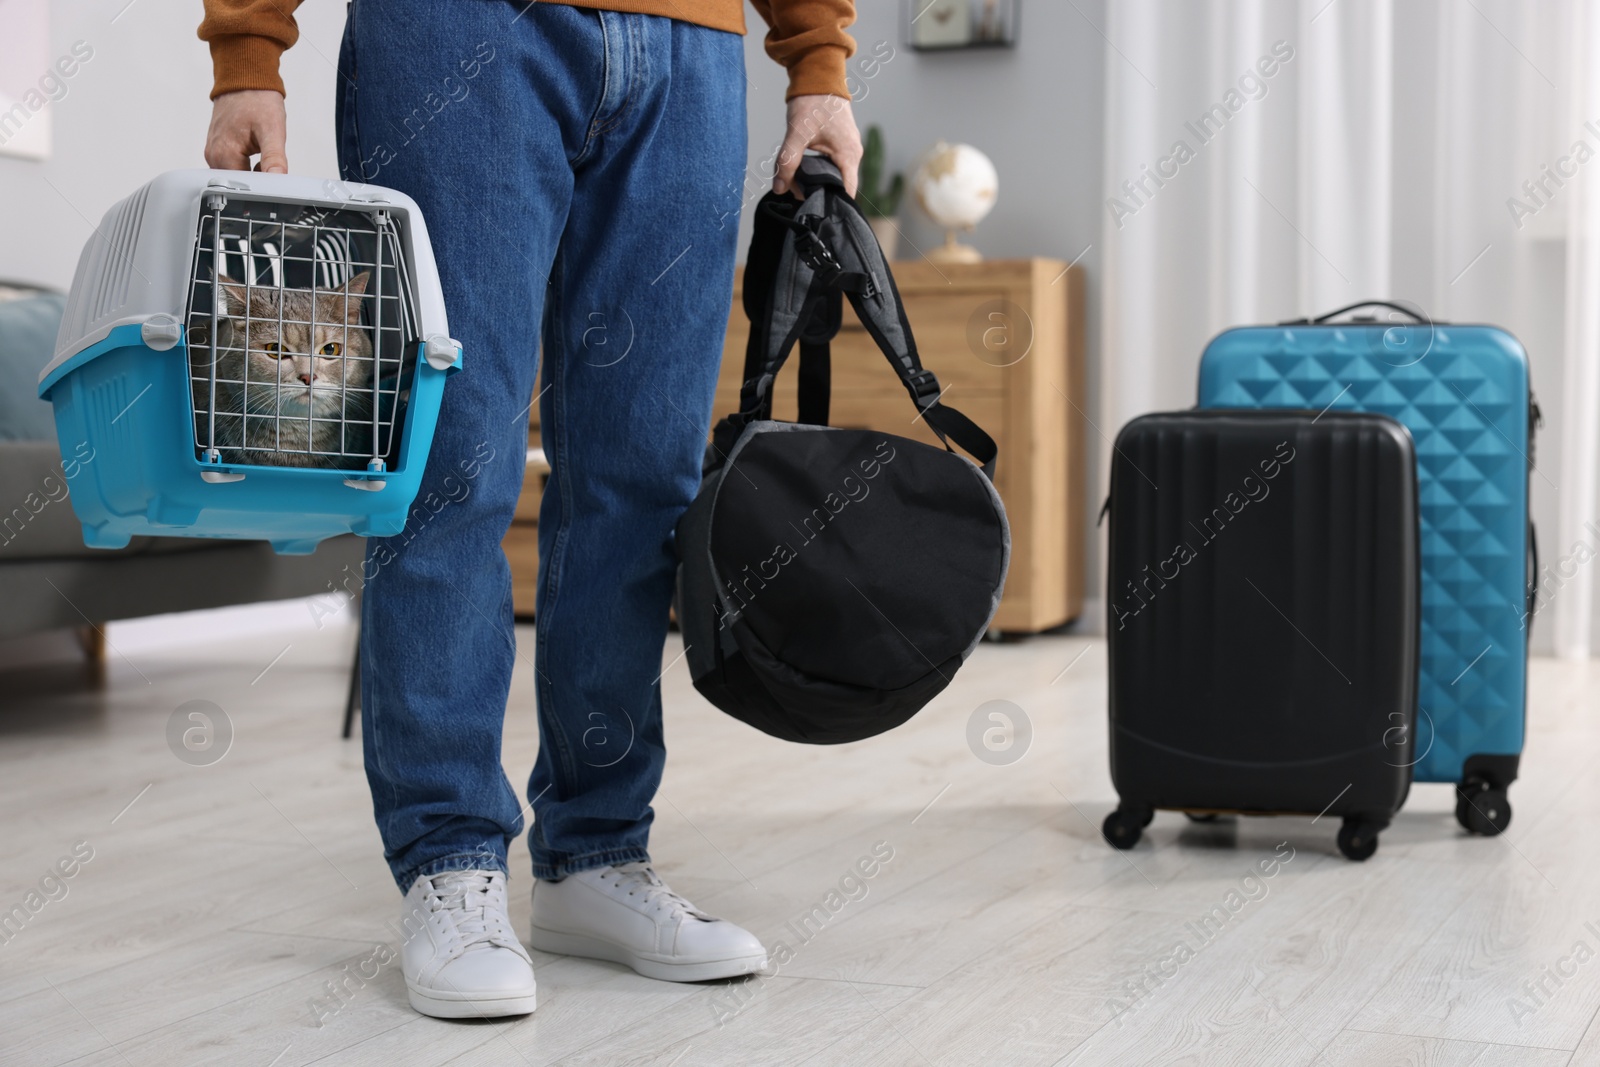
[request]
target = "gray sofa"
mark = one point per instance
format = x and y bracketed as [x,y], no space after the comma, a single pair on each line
[49,578]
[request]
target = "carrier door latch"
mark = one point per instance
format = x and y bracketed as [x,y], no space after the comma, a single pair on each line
[441,352]
[161,332]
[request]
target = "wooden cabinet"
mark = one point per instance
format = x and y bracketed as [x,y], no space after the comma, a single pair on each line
[521,543]
[1006,340]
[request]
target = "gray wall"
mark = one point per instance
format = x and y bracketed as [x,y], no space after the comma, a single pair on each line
[137,108]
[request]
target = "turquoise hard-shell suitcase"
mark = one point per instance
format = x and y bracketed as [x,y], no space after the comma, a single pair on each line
[1462,391]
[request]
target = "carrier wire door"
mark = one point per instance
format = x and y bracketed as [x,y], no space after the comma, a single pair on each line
[299,320]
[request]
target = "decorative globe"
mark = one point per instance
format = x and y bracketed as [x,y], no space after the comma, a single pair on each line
[956,186]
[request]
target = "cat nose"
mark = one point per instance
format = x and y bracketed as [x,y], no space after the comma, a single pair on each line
[308,377]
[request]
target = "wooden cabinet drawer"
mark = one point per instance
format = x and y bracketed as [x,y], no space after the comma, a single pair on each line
[521,542]
[521,546]
[532,493]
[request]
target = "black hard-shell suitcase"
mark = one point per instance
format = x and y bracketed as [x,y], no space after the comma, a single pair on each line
[1262,613]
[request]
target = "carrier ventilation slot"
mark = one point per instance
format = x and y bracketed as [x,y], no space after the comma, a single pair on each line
[121,238]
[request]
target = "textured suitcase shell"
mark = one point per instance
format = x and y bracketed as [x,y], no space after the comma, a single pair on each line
[1462,391]
[1271,667]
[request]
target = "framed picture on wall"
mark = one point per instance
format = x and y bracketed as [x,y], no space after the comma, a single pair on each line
[941,25]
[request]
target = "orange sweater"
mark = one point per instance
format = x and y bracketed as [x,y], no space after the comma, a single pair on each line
[807,36]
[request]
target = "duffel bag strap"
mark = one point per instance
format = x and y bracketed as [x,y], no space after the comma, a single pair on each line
[803,256]
[816,382]
[946,422]
[769,237]
[793,286]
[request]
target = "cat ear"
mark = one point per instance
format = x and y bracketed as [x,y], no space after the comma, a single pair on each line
[356,286]
[233,295]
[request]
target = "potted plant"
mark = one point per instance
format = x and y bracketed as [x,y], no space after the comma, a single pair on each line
[879,203]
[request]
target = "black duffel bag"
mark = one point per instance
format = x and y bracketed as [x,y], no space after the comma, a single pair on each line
[833,580]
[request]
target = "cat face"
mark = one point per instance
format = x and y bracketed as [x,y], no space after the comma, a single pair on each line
[299,351]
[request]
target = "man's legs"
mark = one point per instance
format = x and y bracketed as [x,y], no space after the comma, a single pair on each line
[636,313]
[473,115]
[619,139]
[584,170]
[637,309]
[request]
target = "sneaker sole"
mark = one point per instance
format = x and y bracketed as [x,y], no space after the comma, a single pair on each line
[461,1006]
[564,944]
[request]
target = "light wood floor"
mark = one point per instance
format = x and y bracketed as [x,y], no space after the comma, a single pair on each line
[220,900]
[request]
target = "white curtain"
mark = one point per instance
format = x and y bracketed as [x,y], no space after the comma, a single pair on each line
[1267,159]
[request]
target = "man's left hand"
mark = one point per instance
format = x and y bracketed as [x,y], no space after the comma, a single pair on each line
[827,124]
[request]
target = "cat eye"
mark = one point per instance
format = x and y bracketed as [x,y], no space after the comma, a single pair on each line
[332,348]
[271,346]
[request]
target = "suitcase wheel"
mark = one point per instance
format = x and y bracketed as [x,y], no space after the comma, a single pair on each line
[1481,808]
[1124,827]
[1358,839]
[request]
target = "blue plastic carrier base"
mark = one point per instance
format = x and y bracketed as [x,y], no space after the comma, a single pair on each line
[1462,391]
[125,410]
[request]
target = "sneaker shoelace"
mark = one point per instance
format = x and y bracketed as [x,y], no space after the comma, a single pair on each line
[475,901]
[641,880]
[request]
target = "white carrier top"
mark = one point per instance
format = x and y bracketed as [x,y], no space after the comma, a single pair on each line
[135,267]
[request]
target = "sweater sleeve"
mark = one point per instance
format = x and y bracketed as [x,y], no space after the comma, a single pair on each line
[247,37]
[808,37]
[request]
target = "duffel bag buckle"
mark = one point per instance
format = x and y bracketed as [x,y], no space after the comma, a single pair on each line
[923,386]
[811,248]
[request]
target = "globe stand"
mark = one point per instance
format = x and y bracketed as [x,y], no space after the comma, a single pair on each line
[953,251]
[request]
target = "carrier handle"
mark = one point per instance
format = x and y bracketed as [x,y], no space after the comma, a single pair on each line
[1390,304]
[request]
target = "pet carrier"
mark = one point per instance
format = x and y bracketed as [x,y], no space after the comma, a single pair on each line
[251,356]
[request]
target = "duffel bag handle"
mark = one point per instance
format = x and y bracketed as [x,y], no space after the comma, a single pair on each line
[816,170]
[1390,304]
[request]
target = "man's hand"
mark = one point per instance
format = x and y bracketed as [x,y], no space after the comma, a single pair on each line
[247,123]
[825,123]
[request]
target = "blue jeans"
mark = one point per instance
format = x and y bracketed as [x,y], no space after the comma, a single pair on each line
[581,174]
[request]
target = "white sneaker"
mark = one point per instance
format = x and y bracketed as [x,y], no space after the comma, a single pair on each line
[460,956]
[627,914]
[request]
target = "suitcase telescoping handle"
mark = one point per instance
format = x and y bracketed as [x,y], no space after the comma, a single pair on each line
[1320,319]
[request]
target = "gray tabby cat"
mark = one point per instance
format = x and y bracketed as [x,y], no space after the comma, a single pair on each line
[305,382]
